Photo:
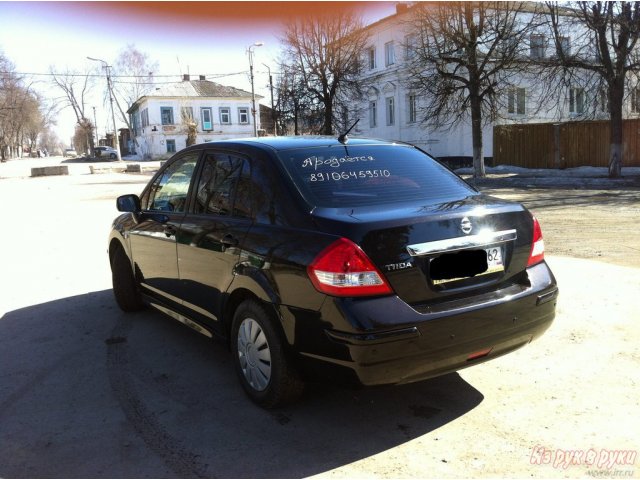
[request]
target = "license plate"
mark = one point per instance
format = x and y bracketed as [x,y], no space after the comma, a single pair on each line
[494,264]
[494,260]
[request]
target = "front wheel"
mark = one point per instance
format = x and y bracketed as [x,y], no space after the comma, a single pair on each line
[112,156]
[264,369]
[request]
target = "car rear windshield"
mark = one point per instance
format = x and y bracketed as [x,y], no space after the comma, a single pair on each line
[363,175]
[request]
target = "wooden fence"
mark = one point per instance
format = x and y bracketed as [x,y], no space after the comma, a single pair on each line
[564,145]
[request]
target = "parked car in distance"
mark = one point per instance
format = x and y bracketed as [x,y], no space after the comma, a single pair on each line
[70,152]
[355,260]
[105,152]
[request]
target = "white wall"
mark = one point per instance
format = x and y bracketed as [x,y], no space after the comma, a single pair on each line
[153,143]
[388,81]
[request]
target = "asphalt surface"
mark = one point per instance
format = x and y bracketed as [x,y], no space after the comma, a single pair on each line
[88,391]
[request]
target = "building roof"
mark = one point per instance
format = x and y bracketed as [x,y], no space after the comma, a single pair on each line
[193,89]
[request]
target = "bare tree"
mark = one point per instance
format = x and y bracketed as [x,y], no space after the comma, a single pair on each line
[76,88]
[603,52]
[293,102]
[134,78]
[21,118]
[190,124]
[324,50]
[49,141]
[33,121]
[464,57]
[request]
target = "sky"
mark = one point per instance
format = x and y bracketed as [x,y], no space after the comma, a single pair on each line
[200,38]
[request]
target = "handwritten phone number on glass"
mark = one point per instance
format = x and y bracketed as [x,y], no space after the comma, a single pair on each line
[352,175]
[333,162]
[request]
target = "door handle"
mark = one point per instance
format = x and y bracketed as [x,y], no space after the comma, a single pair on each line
[229,241]
[170,230]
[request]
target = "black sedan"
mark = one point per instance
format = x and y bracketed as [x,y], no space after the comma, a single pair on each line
[357,260]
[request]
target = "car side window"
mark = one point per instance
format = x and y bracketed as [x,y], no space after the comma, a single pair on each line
[267,197]
[169,191]
[218,184]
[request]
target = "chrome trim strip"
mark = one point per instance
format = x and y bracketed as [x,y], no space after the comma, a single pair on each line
[200,310]
[182,319]
[461,243]
[193,307]
[161,292]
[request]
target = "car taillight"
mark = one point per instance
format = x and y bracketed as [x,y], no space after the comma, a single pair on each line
[344,270]
[537,249]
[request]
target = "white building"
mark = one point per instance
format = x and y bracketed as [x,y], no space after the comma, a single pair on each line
[391,110]
[159,119]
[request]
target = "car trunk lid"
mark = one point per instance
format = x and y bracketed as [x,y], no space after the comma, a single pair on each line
[430,253]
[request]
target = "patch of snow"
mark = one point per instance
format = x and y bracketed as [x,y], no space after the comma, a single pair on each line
[577,172]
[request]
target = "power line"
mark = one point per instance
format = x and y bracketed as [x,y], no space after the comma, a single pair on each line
[50,74]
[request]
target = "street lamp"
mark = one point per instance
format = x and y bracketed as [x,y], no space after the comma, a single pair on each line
[253,94]
[106,66]
[273,110]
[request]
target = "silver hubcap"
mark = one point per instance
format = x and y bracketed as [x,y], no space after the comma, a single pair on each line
[254,354]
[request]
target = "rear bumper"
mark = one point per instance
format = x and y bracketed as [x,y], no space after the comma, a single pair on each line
[395,343]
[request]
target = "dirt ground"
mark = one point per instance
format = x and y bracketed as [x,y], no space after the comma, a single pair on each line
[594,224]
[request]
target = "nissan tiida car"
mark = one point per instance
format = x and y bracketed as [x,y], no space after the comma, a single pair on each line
[357,260]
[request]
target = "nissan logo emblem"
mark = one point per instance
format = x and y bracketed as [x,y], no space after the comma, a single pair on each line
[465,225]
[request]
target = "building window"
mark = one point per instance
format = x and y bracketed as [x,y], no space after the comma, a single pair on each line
[565,46]
[389,54]
[144,115]
[410,47]
[412,109]
[243,115]
[391,113]
[373,114]
[537,46]
[207,122]
[171,146]
[635,100]
[371,55]
[603,101]
[576,101]
[517,101]
[135,123]
[225,115]
[166,113]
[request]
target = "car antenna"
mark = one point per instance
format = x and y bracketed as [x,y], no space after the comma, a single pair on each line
[343,138]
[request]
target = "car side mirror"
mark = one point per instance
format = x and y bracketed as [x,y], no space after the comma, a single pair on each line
[128,203]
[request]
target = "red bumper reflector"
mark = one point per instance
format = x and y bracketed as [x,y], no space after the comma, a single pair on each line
[480,354]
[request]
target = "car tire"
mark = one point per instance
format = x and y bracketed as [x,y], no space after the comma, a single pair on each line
[261,362]
[125,287]
[112,156]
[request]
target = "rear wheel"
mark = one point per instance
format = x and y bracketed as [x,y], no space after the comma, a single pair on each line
[125,288]
[112,156]
[264,369]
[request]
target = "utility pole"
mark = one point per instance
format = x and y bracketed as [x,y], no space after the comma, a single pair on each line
[273,110]
[253,94]
[95,125]
[113,117]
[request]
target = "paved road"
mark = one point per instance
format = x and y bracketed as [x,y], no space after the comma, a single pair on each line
[87,391]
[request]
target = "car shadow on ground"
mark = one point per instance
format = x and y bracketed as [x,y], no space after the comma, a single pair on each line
[88,391]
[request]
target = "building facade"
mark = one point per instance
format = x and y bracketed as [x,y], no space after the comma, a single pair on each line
[162,120]
[390,110]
